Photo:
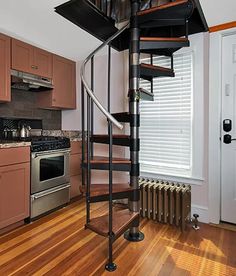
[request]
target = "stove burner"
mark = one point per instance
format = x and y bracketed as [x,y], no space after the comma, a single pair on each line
[47,143]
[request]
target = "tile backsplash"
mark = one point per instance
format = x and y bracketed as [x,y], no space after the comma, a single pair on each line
[24,105]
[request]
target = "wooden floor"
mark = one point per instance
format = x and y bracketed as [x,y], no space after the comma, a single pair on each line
[58,245]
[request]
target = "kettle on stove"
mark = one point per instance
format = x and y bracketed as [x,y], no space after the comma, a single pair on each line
[24,131]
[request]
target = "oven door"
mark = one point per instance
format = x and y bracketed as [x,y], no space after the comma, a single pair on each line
[49,169]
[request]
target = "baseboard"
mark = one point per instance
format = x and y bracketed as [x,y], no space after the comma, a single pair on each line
[202,211]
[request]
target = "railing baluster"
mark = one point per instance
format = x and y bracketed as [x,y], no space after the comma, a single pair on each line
[172,61]
[109,80]
[186,28]
[88,159]
[110,9]
[110,266]
[83,132]
[106,7]
[151,59]
[92,106]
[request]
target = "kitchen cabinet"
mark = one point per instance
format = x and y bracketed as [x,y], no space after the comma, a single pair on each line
[5,75]
[75,169]
[63,96]
[14,185]
[30,59]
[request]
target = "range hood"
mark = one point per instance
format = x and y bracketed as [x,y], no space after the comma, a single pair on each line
[29,82]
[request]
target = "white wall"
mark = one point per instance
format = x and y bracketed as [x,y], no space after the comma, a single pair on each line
[218,11]
[71,120]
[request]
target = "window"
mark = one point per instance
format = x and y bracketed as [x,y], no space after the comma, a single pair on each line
[166,130]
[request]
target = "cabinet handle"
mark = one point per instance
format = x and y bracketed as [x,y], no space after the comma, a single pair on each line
[34,67]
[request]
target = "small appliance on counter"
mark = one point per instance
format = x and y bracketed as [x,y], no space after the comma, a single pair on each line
[19,128]
[50,156]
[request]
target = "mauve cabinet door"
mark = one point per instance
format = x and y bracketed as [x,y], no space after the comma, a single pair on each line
[5,90]
[76,185]
[22,57]
[64,92]
[15,193]
[43,62]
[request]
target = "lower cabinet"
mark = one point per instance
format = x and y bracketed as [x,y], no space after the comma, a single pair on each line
[76,183]
[75,169]
[15,193]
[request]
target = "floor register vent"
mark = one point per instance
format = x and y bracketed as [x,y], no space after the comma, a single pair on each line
[165,202]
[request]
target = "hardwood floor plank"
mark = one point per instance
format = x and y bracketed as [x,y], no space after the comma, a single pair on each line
[34,230]
[58,245]
[40,243]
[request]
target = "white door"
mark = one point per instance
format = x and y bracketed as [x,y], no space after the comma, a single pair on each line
[228,151]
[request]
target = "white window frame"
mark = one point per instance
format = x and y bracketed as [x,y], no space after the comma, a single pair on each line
[197,45]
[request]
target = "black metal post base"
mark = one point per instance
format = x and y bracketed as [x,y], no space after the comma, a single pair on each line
[110,267]
[137,237]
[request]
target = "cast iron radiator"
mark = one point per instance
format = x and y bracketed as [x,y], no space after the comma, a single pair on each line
[165,202]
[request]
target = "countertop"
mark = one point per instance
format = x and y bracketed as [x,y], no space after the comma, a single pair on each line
[13,144]
[75,136]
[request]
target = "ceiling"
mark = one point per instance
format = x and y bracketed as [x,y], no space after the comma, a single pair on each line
[35,22]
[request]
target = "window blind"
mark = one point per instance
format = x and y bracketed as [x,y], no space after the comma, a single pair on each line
[166,123]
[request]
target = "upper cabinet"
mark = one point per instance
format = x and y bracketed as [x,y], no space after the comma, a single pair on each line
[63,96]
[20,56]
[5,57]
[30,59]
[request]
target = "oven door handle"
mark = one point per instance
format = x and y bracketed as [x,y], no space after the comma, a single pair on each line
[35,155]
[42,194]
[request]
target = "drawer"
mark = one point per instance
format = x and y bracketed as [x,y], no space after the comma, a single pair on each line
[10,156]
[75,164]
[76,147]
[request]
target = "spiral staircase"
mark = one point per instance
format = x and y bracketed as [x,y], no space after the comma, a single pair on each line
[149,27]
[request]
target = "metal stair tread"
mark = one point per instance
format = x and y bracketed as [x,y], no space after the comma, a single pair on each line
[123,117]
[154,43]
[103,189]
[95,22]
[121,222]
[149,71]
[117,139]
[160,52]
[174,13]
[105,159]
[114,135]
[146,95]
[102,163]
[174,39]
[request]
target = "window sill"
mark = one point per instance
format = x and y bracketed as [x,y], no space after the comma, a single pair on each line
[174,178]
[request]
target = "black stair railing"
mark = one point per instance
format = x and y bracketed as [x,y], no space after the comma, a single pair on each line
[86,134]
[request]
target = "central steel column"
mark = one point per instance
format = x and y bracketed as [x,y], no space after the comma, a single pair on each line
[134,234]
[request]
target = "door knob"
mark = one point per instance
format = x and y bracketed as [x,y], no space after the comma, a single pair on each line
[228,139]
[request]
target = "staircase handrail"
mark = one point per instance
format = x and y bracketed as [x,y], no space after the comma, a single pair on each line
[86,85]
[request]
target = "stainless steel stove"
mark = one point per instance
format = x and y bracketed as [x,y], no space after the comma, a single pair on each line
[50,180]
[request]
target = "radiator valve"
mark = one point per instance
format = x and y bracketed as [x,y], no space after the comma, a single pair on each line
[195,221]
